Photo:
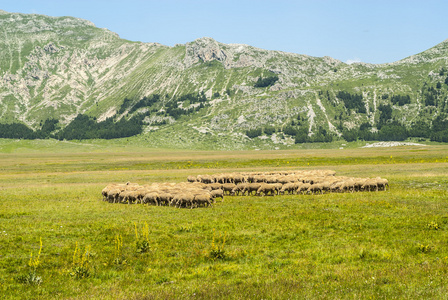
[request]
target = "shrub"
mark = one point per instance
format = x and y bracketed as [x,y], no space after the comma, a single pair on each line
[290,130]
[265,82]
[253,133]
[269,130]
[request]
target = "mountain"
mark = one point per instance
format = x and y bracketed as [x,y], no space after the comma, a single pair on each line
[58,74]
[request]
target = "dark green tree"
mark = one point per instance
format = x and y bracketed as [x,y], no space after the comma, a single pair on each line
[385,114]
[301,136]
[265,82]
[269,130]
[253,133]
[290,130]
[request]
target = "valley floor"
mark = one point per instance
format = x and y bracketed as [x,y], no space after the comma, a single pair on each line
[59,240]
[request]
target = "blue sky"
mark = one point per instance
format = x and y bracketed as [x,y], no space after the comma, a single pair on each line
[374,31]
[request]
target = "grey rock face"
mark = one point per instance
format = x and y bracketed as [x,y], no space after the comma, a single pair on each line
[205,50]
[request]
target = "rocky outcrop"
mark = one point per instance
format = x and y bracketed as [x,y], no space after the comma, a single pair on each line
[203,50]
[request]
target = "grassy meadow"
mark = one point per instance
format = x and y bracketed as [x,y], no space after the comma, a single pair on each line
[59,240]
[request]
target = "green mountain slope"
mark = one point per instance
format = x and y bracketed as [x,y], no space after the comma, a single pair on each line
[203,93]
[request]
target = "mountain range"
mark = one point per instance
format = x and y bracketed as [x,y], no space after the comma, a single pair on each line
[62,76]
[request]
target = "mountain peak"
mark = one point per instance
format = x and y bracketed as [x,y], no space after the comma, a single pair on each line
[205,40]
[31,23]
[204,49]
[436,53]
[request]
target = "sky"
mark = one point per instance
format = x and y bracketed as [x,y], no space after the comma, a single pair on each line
[372,31]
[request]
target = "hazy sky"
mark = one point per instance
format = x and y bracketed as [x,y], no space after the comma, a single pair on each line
[374,31]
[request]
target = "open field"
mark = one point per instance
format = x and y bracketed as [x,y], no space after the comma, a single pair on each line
[391,244]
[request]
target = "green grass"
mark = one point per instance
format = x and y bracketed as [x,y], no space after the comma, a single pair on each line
[354,245]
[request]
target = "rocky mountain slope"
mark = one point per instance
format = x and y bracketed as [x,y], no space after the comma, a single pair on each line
[58,68]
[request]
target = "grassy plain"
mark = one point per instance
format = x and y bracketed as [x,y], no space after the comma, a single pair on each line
[391,244]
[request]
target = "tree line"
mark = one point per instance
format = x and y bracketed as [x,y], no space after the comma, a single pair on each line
[21,131]
[85,127]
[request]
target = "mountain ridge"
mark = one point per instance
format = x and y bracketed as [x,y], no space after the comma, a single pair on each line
[60,67]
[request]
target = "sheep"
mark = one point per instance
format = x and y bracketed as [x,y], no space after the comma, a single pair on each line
[266,188]
[238,178]
[112,195]
[282,180]
[165,198]
[125,196]
[131,186]
[205,179]
[259,178]
[217,194]
[314,188]
[140,193]
[105,191]
[192,179]
[132,197]
[288,187]
[250,178]
[278,187]
[228,188]
[195,184]
[319,186]
[230,178]
[177,198]
[272,179]
[184,199]
[370,184]
[303,188]
[358,184]
[214,186]
[337,186]
[251,187]
[202,199]
[382,183]
[311,180]
[121,196]
[348,185]
[219,178]
[187,199]
[322,186]
[238,188]
[112,187]
[151,198]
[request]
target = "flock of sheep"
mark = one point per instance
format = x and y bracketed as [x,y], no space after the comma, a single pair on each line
[184,194]
[202,190]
